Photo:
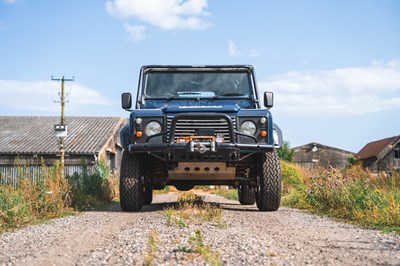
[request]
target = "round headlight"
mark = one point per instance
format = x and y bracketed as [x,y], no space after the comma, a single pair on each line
[153,128]
[248,128]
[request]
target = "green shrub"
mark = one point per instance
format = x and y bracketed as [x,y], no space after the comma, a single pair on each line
[14,209]
[293,188]
[285,152]
[91,188]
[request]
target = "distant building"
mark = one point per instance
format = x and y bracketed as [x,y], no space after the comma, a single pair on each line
[381,155]
[317,155]
[32,139]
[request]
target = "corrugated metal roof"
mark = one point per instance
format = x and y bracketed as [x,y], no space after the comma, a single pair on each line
[24,134]
[311,145]
[373,149]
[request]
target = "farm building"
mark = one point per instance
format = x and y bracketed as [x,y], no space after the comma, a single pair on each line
[33,141]
[317,155]
[381,155]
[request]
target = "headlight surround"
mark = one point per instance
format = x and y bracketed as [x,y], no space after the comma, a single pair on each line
[248,127]
[153,128]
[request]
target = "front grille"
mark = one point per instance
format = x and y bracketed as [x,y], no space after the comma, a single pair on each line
[189,126]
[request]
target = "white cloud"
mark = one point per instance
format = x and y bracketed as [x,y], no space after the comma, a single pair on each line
[232,49]
[164,14]
[39,96]
[136,32]
[344,91]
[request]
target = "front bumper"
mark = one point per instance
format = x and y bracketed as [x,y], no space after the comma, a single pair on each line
[195,137]
[231,153]
[162,147]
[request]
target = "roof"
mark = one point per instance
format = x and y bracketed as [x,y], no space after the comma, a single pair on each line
[373,149]
[200,68]
[27,134]
[311,145]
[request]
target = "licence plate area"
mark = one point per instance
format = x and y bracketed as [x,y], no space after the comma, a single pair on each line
[200,139]
[183,154]
[202,171]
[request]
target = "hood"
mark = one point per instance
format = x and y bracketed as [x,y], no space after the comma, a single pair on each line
[206,108]
[190,105]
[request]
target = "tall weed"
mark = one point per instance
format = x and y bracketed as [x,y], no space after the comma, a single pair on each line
[293,187]
[44,197]
[91,188]
[47,194]
[353,194]
[356,195]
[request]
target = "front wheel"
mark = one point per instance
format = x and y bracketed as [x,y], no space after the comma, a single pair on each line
[130,187]
[268,196]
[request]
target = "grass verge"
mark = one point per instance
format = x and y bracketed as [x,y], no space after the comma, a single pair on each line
[51,195]
[351,194]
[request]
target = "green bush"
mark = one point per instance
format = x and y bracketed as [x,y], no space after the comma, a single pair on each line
[14,209]
[285,152]
[293,188]
[91,188]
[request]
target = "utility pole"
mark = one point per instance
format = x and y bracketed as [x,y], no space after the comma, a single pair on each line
[61,129]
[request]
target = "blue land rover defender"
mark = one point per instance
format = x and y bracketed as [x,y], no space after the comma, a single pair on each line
[200,125]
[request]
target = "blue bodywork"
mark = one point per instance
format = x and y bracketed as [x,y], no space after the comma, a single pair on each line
[159,109]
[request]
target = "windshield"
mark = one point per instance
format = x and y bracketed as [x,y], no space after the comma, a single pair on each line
[197,84]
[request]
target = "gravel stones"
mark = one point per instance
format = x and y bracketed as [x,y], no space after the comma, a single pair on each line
[245,236]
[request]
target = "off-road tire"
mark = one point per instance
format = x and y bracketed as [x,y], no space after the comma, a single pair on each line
[148,194]
[268,196]
[247,195]
[184,186]
[130,186]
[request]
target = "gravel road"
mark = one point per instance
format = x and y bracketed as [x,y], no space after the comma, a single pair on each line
[244,237]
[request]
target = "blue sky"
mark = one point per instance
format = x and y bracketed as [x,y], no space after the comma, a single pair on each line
[334,65]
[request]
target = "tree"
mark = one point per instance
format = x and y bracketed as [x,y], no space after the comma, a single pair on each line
[285,152]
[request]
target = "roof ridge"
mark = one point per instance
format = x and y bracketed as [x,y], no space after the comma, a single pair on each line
[35,134]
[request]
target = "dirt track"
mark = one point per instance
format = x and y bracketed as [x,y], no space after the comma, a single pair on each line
[285,237]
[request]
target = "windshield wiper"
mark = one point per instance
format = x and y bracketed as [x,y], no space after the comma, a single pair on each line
[227,94]
[232,93]
[189,93]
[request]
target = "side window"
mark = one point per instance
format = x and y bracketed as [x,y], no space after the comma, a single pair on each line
[397,153]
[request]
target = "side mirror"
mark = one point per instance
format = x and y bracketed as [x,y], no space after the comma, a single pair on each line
[268,99]
[126,99]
